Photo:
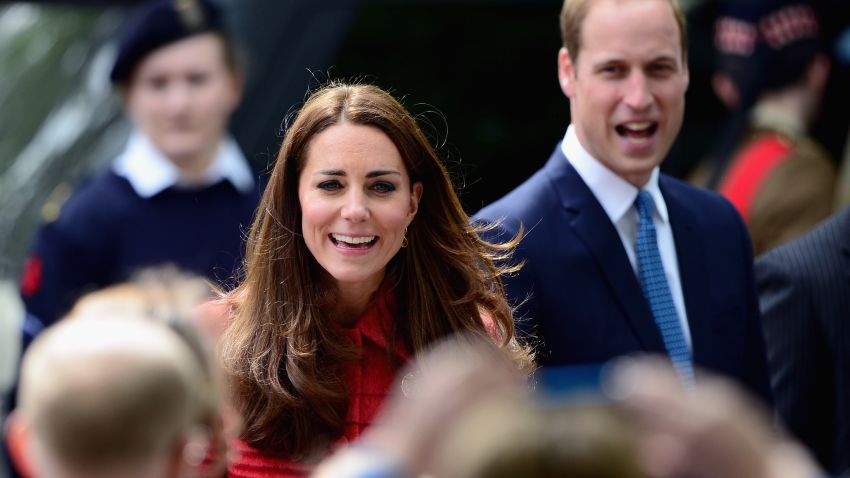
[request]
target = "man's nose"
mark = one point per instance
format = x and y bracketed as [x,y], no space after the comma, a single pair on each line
[638,95]
[178,97]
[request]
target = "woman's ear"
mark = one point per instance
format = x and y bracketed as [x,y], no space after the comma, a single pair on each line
[415,196]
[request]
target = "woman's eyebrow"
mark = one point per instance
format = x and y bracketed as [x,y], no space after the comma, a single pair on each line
[382,172]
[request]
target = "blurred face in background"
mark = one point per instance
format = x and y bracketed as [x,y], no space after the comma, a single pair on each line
[181,96]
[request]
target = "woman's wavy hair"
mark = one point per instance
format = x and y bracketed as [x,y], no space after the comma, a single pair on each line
[281,350]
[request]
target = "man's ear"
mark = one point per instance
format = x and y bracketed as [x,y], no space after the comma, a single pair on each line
[726,90]
[237,89]
[566,72]
[19,443]
[817,74]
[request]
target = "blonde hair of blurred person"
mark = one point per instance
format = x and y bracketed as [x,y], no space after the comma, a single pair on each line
[169,298]
[498,438]
[179,300]
[107,397]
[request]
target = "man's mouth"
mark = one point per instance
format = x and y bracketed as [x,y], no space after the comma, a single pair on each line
[352,242]
[637,130]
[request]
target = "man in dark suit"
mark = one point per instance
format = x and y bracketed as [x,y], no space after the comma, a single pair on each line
[804,289]
[600,282]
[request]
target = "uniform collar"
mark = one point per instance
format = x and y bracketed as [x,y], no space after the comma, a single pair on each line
[767,116]
[149,172]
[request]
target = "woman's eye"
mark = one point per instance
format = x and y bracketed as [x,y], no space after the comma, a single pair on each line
[383,187]
[330,185]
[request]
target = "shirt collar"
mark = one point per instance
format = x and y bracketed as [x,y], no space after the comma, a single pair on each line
[615,194]
[149,172]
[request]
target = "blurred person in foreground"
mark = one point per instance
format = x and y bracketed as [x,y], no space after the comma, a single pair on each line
[111,391]
[180,192]
[716,430]
[772,75]
[121,386]
[471,416]
[619,258]
[804,287]
[360,257]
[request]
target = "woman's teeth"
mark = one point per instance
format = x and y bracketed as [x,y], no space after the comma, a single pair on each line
[351,240]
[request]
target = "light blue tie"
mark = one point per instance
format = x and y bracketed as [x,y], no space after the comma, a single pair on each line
[657,291]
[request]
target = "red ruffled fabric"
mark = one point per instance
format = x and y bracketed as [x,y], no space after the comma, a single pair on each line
[369,381]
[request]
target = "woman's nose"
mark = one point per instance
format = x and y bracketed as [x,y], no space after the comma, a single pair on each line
[355,208]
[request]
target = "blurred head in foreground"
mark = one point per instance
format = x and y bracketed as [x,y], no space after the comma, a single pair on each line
[120,387]
[467,413]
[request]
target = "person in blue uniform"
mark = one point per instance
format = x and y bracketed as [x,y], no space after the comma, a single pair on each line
[181,192]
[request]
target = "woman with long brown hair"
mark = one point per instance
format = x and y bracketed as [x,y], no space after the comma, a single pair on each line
[359,257]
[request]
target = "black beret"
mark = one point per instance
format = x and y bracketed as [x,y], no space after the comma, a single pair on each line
[766,44]
[158,23]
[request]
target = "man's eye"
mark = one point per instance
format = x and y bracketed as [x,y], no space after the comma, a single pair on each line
[611,70]
[330,185]
[197,79]
[662,69]
[157,83]
[383,187]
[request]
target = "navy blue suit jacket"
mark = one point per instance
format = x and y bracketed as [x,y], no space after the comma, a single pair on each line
[583,302]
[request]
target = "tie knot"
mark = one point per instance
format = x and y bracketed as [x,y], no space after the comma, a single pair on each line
[644,204]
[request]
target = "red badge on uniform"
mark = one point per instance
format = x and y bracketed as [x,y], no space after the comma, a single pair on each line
[31,278]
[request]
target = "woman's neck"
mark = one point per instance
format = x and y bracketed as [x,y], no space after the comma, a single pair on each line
[352,300]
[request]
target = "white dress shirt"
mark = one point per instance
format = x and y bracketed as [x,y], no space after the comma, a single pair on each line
[617,197]
[150,172]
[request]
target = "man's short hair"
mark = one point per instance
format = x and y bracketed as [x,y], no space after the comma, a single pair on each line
[573,13]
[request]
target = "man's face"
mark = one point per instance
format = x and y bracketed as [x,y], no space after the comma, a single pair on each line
[181,96]
[627,88]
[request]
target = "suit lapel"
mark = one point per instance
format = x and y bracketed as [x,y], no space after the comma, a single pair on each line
[693,271]
[592,225]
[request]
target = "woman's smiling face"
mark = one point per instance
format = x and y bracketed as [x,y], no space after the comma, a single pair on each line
[356,201]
